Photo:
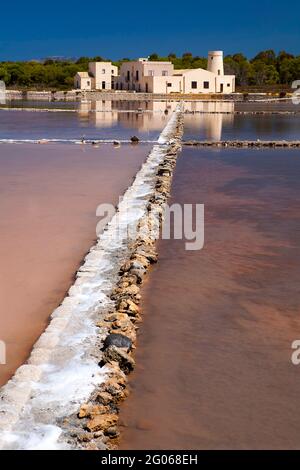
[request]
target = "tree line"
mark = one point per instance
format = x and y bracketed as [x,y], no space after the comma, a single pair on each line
[266,68]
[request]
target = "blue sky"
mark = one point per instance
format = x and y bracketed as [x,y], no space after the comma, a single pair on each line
[114,29]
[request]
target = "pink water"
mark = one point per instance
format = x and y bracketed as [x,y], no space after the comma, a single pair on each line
[214,366]
[48,200]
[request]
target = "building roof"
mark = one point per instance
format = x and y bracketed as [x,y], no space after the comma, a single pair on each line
[186,71]
[83,74]
[180,71]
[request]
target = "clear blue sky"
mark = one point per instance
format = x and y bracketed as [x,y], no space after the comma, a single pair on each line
[114,29]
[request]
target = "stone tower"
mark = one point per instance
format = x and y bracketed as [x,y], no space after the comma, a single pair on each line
[215,62]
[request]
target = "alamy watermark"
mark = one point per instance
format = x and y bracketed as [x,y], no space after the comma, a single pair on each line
[178,222]
[296,93]
[2,353]
[295,358]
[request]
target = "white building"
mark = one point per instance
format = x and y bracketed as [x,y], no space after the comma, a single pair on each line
[147,76]
[101,76]
[157,77]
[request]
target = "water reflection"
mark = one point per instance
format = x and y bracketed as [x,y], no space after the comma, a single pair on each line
[99,113]
[209,124]
[149,116]
[218,121]
[144,116]
[110,119]
[94,119]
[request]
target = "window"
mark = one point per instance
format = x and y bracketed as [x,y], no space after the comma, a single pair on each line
[88,83]
[137,75]
[169,84]
[112,72]
[206,85]
[219,72]
[128,75]
[151,73]
[194,85]
[164,73]
[228,84]
[103,70]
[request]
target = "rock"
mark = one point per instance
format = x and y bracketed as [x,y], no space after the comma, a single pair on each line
[116,389]
[125,267]
[139,273]
[123,324]
[89,410]
[118,317]
[151,255]
[134,139]
[133,269]
[104,397]
[123,283]
[164,172]
[141,259]
[84,436]
[129,332]
[84,411]
[103,324]
[112,431]
[130,278]
[118,340]
[132,308]
[128,306]
[117,375]
[102,422]
[129,291]
[126,362]
[117,379]
[137,265]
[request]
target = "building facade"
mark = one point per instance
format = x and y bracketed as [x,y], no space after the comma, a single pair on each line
[147,76]
[100,76]
[157,77]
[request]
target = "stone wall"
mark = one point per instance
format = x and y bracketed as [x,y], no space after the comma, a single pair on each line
[106,95]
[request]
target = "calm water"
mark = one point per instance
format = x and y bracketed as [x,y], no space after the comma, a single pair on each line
[242,127]
[94,120]
[49,196]
[110,119]
[214,364]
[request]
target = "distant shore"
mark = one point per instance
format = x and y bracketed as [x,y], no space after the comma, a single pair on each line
[72,95]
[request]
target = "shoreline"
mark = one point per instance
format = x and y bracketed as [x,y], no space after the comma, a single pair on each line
[243,143]
[137,111]
[78,95]
[62,373]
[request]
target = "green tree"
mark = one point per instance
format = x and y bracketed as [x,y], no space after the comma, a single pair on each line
[268,57]
[153,56]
